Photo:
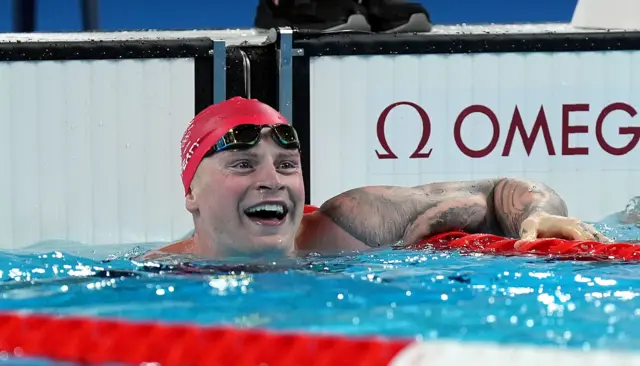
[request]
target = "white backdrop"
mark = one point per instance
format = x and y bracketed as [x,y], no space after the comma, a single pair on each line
[89,150]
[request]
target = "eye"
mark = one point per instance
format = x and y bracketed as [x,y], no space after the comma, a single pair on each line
[243,165]
[288,165]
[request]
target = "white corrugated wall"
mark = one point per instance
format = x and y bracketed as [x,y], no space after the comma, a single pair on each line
[89,150]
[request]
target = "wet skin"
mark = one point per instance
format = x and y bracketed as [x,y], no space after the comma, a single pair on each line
[380,216]
[387,215]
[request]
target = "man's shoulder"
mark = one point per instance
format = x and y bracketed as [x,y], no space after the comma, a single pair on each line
[180,247]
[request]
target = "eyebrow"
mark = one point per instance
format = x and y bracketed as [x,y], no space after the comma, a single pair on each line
[289,154]
[242,153]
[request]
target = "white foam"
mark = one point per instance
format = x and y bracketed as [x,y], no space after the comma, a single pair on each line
[447,353]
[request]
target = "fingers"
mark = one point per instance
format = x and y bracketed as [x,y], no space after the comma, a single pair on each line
[598,236]
[577,231]
[521,242]
[529,229]
[589,232]
[563,228]
[528,232]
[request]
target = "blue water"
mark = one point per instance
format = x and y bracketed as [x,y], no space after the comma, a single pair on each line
[396,293]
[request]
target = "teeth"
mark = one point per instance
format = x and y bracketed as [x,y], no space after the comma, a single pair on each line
[270,207]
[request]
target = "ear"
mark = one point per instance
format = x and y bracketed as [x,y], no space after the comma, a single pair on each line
[190,202]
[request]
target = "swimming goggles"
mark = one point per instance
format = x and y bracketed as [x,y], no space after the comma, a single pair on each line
[247,136]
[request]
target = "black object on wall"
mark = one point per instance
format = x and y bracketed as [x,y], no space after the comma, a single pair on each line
[24,15]
[90,10]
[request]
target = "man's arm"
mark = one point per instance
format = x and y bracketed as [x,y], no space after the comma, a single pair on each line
[517,199]
[384,215]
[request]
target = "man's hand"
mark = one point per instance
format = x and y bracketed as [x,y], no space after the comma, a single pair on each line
[544,225]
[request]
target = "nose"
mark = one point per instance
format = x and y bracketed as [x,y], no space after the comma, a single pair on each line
[269,179]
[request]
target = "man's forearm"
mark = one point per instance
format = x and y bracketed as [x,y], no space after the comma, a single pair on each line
[517,199]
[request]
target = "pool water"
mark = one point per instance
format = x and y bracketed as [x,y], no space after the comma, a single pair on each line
[396,293]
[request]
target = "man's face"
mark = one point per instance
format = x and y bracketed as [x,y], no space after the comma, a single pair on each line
[249,201]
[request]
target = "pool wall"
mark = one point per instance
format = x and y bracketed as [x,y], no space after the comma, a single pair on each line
[90,124]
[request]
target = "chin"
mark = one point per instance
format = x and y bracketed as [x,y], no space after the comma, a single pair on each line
[271,244]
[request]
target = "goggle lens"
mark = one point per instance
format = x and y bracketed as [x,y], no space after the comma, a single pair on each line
[247,136]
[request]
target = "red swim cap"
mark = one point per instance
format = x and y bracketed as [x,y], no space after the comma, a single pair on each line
[211,124]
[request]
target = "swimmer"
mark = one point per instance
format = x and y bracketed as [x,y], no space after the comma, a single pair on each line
[243,185]
[631,213]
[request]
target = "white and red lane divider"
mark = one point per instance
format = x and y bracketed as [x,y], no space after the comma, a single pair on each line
[91,341]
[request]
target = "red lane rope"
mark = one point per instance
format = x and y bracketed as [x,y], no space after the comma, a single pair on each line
[90,341]
[556,248]
[498,245]
[97,342]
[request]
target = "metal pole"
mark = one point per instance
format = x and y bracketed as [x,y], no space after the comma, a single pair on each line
[285,65]
[246,65]
[90,10]
[24,16]
[219,71]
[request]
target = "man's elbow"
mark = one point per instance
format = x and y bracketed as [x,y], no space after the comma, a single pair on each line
[534,193]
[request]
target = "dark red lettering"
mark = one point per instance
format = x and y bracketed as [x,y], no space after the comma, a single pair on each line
[457,128]
[634,131]
[541,123]
[426,133]
[567,129]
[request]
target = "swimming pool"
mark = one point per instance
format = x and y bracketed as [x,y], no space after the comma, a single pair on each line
[424,294]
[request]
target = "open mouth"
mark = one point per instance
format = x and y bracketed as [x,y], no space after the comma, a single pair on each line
[267,212]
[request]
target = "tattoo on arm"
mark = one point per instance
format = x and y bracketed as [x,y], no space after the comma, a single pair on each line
[516,199]
[379,216]
[375,216]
